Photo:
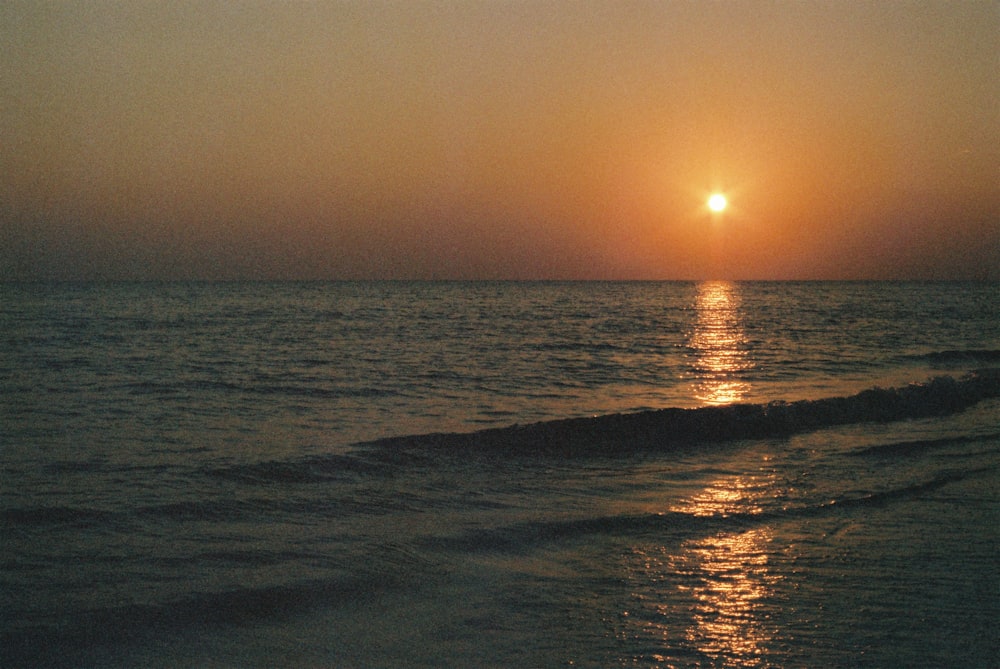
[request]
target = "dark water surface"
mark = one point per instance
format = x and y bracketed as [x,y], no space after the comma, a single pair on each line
[700,474]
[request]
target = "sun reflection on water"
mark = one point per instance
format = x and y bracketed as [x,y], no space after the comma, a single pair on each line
[732,580]
[725,498]
[709,601]
[730,573]
[719,345]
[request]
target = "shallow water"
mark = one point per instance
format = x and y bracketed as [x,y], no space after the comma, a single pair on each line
[180,484]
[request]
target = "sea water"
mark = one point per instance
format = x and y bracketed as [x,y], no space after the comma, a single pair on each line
[500,474]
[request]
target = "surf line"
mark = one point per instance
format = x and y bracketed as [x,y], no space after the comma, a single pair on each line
[665,428]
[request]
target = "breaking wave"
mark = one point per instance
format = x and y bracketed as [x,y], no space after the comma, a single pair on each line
[664,428]
[959,356]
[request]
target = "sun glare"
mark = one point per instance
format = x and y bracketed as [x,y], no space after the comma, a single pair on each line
[717,202]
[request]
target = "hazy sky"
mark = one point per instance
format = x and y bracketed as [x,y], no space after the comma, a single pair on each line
[481,139]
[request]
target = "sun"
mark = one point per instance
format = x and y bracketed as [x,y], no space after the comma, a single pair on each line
[717,202]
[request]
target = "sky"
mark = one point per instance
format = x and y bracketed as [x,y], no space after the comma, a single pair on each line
[483,139]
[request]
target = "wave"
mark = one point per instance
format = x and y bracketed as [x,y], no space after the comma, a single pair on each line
[664,428]
[621,433]
[916,447]
[600,436]
[47,645]
[959,356]
[885,497]
[679,525]
[54,515]
[212,508]
[317,469]
[213,385]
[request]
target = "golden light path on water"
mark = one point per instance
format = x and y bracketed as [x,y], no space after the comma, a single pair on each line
[718,343]
[721,584]
[730,574]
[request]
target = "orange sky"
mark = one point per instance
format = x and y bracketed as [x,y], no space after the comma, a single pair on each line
[482,139]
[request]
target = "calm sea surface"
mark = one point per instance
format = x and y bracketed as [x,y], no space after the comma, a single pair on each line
[282,474]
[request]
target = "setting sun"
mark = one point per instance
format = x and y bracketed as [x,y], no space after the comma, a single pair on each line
[717,202]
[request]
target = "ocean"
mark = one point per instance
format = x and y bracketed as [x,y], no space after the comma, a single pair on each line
[500,474]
